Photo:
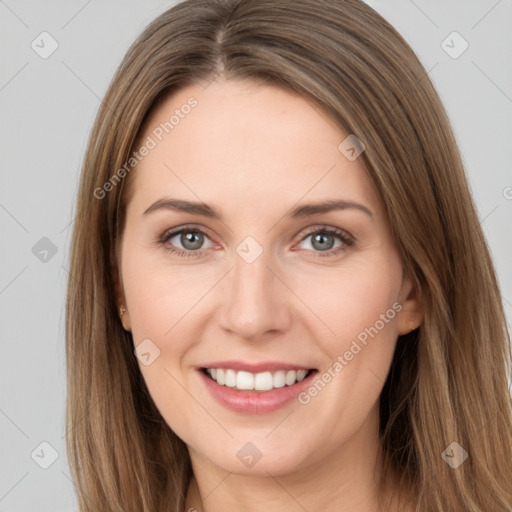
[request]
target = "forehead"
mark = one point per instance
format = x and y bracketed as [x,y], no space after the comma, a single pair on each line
[241,144]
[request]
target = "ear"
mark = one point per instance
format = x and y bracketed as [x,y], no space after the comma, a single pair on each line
[122,308]
[411,315]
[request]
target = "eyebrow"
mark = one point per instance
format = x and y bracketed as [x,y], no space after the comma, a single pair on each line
[302,211]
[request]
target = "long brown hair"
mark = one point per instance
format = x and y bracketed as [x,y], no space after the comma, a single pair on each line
[448,380]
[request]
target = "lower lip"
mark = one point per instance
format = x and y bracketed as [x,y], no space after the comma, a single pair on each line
[255,402]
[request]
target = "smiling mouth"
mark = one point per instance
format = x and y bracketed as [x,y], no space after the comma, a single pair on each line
[263,381]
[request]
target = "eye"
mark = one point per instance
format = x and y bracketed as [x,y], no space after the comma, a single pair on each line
[186,241]
[323,241]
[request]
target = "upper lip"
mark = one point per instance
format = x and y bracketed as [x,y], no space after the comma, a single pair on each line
[266,366]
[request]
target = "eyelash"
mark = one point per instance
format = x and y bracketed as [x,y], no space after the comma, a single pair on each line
[346,240]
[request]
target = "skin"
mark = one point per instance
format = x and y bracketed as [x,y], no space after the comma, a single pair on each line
[255,151]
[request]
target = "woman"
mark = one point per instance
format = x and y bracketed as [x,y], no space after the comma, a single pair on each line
[280,294]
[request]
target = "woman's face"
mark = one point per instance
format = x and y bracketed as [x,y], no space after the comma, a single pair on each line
[263,282]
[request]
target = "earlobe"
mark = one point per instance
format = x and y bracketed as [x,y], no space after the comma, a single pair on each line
[405,325]
[120,301]
[125,318]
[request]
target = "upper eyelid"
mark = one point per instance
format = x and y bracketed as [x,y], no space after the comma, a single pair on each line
[171,233]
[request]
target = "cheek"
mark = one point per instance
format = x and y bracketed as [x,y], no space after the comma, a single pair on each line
[162,298]
[352,300]
[163,303]
[360,305]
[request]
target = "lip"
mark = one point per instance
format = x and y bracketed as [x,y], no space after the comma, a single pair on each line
[268,366]
[255,402]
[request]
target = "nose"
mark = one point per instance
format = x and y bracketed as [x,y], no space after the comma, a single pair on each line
[255,305]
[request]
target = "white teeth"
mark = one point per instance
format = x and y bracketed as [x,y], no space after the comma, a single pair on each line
[290,378]
[230,378]
[244,380]
[278,379]
[301,374]
[263,381]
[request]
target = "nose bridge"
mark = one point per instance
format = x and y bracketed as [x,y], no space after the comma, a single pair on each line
[254,301]
[251,279]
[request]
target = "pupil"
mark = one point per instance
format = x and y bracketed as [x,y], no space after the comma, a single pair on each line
[191,240]
[321,239]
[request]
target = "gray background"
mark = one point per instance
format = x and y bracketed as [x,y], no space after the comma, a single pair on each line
[47,110]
